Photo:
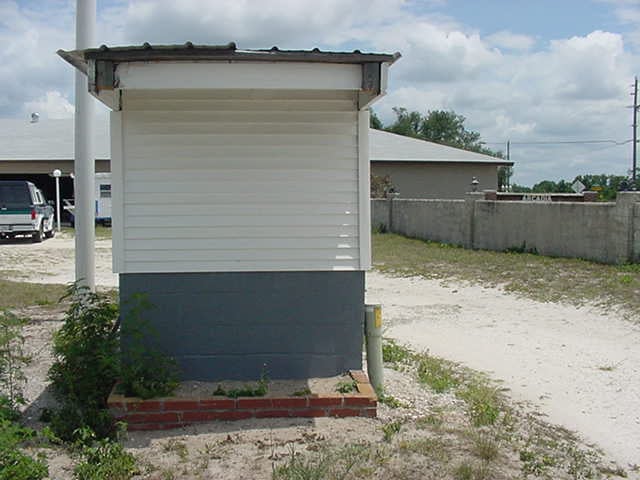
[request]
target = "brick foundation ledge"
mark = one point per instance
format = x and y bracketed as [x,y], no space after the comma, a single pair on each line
[174,412]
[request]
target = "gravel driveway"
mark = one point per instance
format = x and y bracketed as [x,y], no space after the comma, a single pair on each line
[580,366]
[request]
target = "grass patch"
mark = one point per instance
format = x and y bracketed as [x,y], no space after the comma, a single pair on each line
[349,461]
[471,471]
[23,294]
[102,232]
[392,352]
[484,446]
[483,401]
[437,373]
[541,278]
[434,448]
[545,450]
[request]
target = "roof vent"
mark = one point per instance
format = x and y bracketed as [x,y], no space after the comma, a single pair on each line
[35,116]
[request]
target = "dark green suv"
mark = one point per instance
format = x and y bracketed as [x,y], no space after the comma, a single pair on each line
[24,211]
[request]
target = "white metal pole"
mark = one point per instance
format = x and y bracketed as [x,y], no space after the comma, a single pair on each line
[84,165]
[373,336]
[56,174]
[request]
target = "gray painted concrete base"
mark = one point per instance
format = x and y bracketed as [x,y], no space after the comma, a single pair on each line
[228,325]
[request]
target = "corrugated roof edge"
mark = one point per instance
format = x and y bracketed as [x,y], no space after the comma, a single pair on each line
[497,161]
[191,52]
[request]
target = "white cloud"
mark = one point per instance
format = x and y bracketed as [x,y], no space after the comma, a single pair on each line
[507,85]
[29,39]
[52,105]
[511,41]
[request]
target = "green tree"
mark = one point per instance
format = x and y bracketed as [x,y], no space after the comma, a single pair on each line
[447,128]
[520,188]
[374,121]
[504,177]
[406,123]
[549,186]
[440,126]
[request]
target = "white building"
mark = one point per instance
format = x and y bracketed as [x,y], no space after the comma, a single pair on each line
[240,200]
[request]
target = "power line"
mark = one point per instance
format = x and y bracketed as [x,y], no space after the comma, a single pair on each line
[563,142]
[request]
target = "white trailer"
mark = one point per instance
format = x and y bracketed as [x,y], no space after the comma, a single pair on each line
[102,200]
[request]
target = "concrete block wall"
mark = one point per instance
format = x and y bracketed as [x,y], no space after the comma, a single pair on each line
[604,232]
[417,218]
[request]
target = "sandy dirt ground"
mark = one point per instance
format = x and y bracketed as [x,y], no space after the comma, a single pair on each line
[52,261]
[579,366]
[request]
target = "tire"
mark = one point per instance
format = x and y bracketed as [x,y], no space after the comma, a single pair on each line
[50,234]
[38,236]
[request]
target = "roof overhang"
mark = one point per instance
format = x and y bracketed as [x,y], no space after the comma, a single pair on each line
[498,162]
[110,69]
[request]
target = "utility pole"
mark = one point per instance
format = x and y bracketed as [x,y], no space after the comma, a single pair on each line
[84,162]
[509,167]
[635,131]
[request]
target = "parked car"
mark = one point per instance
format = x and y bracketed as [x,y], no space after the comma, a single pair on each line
[24,211]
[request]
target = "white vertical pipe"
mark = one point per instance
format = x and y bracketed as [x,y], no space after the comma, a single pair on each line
[84,165]
[58,203]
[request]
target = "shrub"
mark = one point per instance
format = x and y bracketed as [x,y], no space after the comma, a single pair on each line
[86,363]
[146,372]
[12,360]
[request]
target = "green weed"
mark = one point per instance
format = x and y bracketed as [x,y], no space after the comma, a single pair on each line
[390,401]
[346,386]
[483,402]
[392,352]
[14,464]
[102,459]
[177,447]
[437,373]
[260,389]
[390,429]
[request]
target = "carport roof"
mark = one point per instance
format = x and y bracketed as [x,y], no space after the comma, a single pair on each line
[53,140]
[389,147]
[48,139]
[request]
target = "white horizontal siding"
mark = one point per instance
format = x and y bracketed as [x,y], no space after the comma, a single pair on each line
[249,75]
[246,232]
[239,181]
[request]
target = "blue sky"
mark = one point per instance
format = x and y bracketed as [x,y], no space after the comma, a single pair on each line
[525,71]
[545,19]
